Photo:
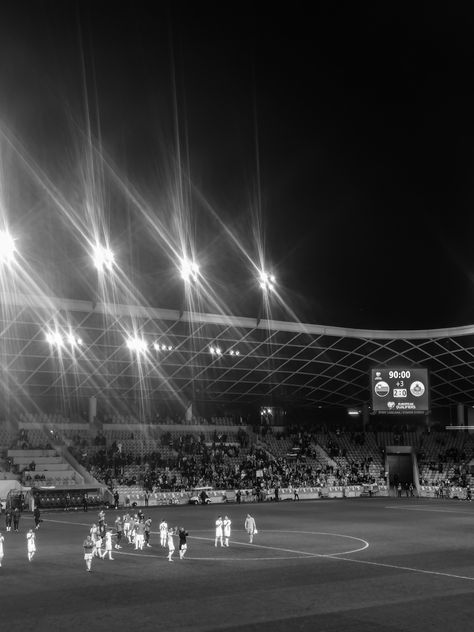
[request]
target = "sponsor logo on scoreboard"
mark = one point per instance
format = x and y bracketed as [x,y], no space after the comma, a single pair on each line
[405,406]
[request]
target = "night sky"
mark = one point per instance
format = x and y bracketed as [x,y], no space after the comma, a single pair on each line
[343,130]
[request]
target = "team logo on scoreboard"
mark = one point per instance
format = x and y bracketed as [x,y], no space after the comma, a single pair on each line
[417,388]
[382,389]
[390,405]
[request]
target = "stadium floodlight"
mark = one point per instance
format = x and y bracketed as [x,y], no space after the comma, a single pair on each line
[103,257]
[189,270]
[162,347]
[7,247]
[234,352]
[215,351]
[73,341]
[54,338]
[267,281]
[136,344]
[353,412]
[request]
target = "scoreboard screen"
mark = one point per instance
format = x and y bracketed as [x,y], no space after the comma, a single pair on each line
[400,390]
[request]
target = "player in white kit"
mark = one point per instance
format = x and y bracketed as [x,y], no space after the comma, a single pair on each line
[219,531]
[31,544]
[2,539]
[227,523]
[171,546]
[163,533]
[108,545]
[250,527]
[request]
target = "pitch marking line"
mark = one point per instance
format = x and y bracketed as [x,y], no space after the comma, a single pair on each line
[247,544]
[334,556]
[79,524]
[402,568]
[298,554]
[428,509]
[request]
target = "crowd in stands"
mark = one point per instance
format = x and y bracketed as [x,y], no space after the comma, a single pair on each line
[219,463]
[224,458]
[23,442]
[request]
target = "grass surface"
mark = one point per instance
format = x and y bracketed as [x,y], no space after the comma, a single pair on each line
[346,565]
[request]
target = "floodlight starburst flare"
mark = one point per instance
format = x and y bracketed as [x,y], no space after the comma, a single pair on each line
[54,338]
[137,344]
[189,269]
[103,257]
[162,347]
[7,247]
[73,341]
[267,281]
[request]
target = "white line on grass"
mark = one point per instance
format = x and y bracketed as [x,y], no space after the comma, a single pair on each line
[304,553]
[428,509]
[333,556]
[402,568]
[297,554]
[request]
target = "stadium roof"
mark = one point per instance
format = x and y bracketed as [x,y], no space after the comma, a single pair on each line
[273,362]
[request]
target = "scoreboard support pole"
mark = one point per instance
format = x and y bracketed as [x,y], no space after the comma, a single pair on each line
[365,417]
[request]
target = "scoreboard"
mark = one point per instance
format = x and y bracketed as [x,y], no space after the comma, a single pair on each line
[400,390]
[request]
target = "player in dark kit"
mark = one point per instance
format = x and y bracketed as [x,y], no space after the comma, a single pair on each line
[183,547]
[37,517]
[8,519]
[16,518]
[119,529]
[147,532]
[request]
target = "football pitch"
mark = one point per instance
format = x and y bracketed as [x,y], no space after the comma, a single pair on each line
[379,564]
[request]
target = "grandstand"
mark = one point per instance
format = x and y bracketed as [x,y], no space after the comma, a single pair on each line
[196,420]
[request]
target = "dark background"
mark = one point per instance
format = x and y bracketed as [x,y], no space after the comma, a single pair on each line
[335,138]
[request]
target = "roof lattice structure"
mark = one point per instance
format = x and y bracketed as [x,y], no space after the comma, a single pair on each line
[281,363]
